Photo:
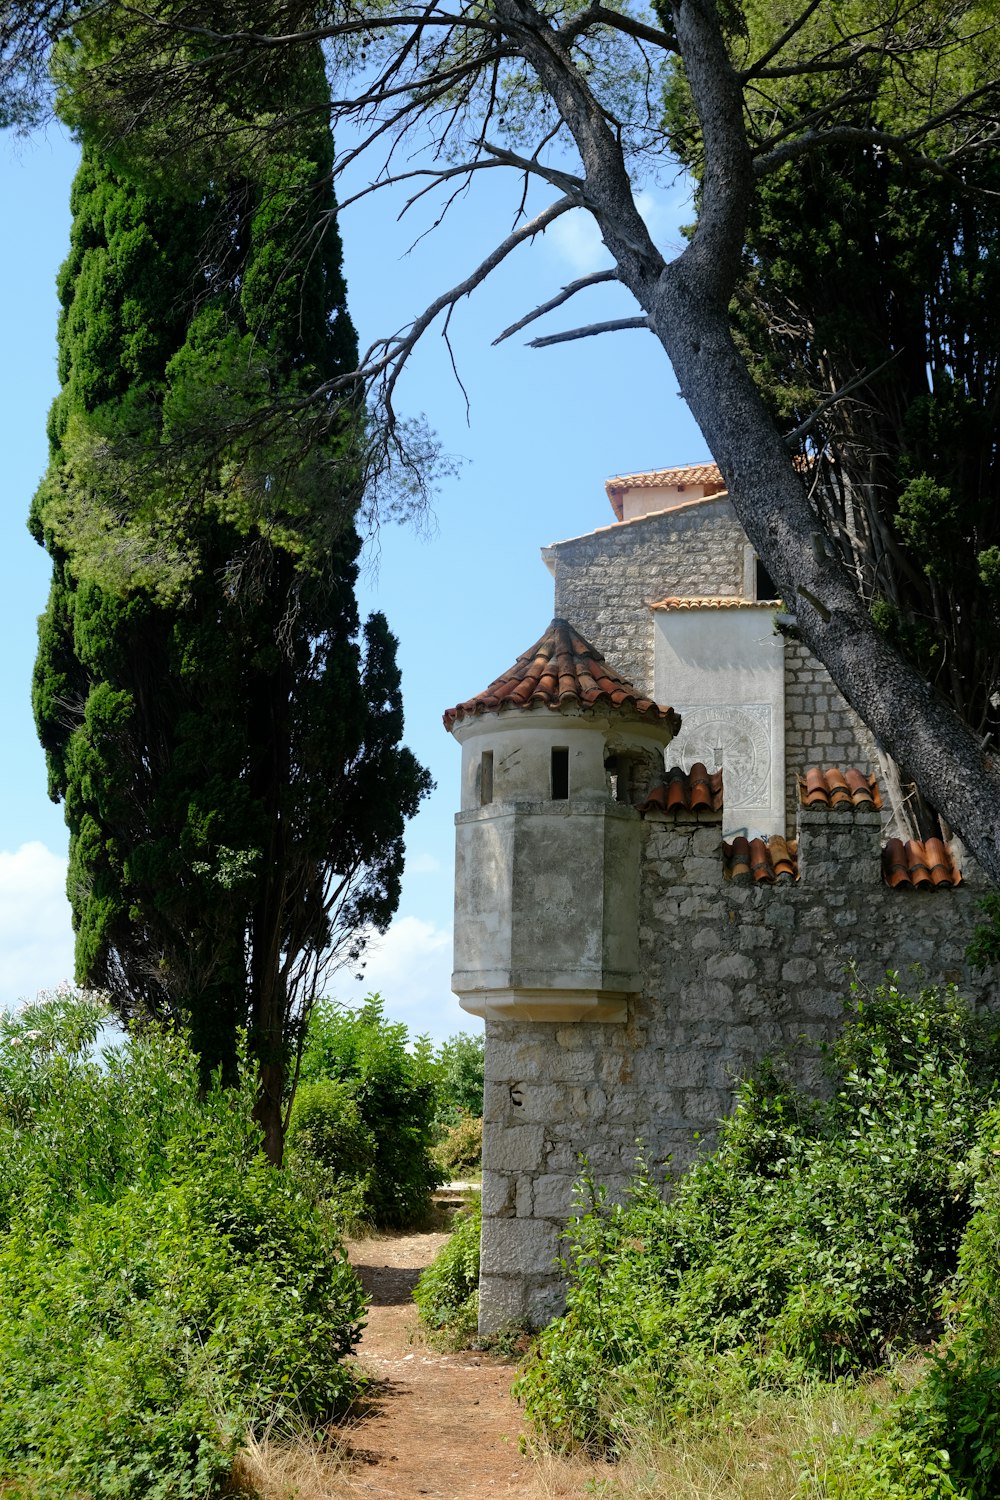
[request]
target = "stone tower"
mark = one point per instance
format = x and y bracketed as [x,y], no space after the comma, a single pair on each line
[554,754]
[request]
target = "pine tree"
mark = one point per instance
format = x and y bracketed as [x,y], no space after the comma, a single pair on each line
[225,738]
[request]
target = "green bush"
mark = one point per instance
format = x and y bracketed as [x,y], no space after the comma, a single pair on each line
[164,1289]
[815,1241]
[447,1294]
[461,1146]
[326,1134]
[394,1092]
[942,1439]
[458,1071]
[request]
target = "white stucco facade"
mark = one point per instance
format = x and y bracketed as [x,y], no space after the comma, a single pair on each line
[723,669]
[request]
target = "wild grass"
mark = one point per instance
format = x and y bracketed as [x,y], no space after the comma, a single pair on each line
[768,1445]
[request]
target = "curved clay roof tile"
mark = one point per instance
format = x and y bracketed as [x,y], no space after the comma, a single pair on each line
[561,669]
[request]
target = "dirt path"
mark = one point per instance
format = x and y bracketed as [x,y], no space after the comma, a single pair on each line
[437,1424]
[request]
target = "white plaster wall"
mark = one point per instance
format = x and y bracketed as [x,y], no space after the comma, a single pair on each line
[723,670]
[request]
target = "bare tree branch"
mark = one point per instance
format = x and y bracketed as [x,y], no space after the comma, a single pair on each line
[793,437]
[596,278]
[613,325]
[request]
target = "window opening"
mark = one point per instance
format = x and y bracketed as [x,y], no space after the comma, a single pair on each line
[764,585]
[486,778]
[560,773]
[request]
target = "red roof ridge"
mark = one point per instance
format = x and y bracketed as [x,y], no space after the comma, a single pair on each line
[648,479]
[562,669]
[839,790]
[764,860]
[919,864]
[697,790]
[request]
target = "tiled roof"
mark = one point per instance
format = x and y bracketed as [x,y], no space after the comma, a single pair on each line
[918,864]
[839,789]
[562,669]
[697,790]
[762,860]
[706,474]
[720,601]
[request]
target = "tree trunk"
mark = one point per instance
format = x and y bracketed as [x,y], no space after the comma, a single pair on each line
[688,306]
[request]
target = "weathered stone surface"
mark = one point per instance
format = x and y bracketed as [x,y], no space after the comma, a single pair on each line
[730,977]
[516,1148]
[523,1247]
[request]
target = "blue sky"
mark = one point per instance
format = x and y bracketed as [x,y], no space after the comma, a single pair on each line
[545,429]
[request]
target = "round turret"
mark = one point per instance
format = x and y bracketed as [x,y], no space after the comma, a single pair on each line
[554,754]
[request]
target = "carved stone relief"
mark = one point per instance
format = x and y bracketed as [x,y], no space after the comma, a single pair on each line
[736,739]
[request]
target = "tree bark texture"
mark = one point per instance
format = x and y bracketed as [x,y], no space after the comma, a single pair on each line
[687,304]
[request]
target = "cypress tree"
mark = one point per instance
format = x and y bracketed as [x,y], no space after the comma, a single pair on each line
[224,736]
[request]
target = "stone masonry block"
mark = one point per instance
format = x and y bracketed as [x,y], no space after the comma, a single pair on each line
[513,1148]
[729,966]
[498,1195]
[553,1196]
[503,1300]
[523,1247]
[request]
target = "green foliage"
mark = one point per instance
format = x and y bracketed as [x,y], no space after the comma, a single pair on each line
[393,1091]
[225,735]
[447,1294]
[984,948]
[461,1146]
[852,279]
[326,1126]
[164,1288]
[815,1241]
[459,1076]
[942,1439]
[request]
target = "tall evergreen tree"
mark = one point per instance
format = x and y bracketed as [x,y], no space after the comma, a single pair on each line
[227,748]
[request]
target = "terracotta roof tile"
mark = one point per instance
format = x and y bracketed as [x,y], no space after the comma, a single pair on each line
[697,790]
[706,474]
[918,865]
[765,861]
[562,669]
[838,789]
[719,601]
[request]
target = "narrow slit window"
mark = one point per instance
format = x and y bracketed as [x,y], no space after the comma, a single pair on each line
[486,778]
[764,585]
[560,773]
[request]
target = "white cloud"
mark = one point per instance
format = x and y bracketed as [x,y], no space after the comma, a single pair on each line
[410,967]
[36,939]
[577,239]
[422,864]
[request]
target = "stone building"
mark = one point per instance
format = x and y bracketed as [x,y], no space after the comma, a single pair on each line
[650,898]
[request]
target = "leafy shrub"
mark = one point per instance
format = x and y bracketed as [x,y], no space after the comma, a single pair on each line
[447,1293]
[461,1146]
[942,1439]
[394,1093]
[326,1132]
[458,1073]
[164,1289]
[815,1240]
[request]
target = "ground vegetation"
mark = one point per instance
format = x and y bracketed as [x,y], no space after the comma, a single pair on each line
[826,1239]
[167,1294]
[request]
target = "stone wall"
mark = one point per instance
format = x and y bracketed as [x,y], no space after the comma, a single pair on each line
[820,728]
[605,581]
[733,970]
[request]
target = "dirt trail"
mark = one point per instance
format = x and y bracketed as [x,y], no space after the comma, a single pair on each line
[436,1424]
